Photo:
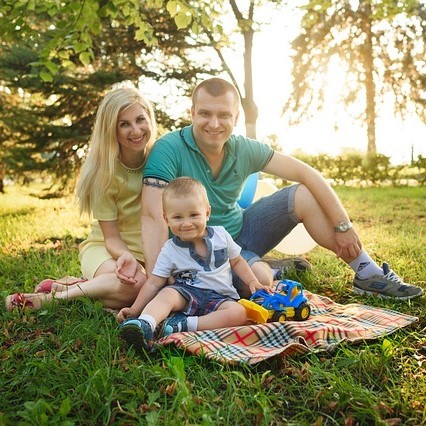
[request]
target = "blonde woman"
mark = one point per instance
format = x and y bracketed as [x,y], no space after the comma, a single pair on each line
[109,190]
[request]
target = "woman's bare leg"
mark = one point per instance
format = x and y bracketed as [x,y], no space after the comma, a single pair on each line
[105,286]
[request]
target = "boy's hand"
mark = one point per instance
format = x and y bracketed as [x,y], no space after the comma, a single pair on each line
[255,285]
[126,313]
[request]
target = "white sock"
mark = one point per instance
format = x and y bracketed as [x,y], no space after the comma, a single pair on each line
[192,323]
[149,319]
[364,266]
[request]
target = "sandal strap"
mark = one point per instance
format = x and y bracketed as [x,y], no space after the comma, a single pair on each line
[18,300]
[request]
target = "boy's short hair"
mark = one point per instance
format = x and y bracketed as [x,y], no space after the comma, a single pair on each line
[185,186]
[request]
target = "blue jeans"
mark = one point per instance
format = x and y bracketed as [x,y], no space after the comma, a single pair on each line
[265,223]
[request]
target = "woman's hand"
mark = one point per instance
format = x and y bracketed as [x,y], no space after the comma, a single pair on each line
[127,268]
[140,275]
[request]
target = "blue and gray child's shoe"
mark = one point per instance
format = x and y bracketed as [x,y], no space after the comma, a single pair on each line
[174,324]
[137,333]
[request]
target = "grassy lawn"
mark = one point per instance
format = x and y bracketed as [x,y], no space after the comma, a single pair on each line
[65,364]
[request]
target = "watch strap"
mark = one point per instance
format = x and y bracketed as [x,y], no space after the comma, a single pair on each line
[343,226]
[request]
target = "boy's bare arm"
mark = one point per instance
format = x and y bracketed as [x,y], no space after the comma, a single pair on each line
[244,272]
[147,292]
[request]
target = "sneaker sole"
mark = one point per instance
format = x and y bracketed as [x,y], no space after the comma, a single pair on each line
[296,263]
[384,296]
[133,337]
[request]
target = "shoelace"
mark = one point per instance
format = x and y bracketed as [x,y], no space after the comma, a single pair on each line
[391,276]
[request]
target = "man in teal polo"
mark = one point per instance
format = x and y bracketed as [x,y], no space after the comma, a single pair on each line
[208,151]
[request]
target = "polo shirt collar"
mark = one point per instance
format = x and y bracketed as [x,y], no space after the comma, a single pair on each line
[188,137]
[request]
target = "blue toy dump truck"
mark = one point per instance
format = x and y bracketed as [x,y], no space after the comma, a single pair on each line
[287,302]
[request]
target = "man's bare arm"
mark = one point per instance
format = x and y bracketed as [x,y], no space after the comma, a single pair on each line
[154,228]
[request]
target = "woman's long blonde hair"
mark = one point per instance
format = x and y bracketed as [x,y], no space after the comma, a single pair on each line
[99,167]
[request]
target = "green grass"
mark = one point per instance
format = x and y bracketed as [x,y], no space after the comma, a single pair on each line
[65,364]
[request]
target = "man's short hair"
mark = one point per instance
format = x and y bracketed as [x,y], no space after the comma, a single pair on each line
[216,86]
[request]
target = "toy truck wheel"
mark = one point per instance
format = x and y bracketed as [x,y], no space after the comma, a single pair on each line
[302,312]
[278,317]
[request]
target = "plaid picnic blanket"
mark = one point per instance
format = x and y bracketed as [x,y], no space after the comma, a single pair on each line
[329,324]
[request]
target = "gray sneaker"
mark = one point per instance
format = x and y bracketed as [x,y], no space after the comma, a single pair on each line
[137,333]
[297,264]
[387,286]
[177,323]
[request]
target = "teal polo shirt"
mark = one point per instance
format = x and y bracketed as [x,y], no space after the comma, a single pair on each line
[176,154]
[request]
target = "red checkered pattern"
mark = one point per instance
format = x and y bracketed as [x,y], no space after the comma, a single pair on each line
[329,324]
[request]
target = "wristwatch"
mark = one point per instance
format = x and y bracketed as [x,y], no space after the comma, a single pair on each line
[343,226]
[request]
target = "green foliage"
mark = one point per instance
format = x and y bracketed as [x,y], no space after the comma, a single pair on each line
[70,27]
[420,169]
[46,122]
[358,169]
[64,364]
[380,46]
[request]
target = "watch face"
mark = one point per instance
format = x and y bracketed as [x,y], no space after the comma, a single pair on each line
[343,227]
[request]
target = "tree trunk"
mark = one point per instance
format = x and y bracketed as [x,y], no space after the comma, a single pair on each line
[246,27]
[249,106]
[370,88]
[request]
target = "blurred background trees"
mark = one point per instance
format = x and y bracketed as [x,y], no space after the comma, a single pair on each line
[57,59]
[48,105]
[381,45]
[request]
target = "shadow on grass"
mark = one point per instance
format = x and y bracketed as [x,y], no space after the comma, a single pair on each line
[22,268]
[18,213]
[49,196]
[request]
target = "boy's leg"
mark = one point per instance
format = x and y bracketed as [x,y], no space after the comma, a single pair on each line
[228,314]
[205,311]
[139,332]
[168,300]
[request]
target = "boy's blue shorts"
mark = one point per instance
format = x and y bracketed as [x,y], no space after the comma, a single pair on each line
[200,301]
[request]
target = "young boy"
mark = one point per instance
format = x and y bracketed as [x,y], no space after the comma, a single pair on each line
[199,258]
